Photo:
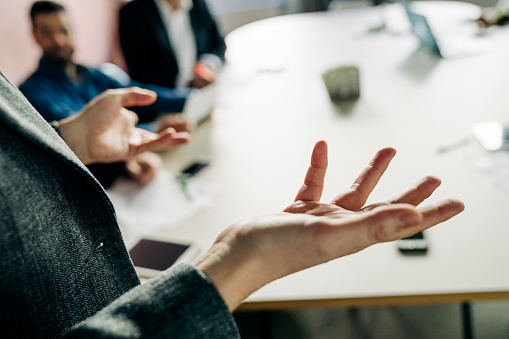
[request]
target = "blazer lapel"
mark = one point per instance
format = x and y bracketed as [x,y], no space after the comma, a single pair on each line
[159,30]
[194,18]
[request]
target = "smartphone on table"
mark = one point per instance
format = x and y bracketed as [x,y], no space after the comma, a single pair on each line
[151,256]
[415,244]
[194,168]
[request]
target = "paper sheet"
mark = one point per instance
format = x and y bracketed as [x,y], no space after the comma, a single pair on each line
[160,204]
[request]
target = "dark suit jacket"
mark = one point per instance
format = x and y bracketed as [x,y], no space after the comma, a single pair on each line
[64,267]
[146,46]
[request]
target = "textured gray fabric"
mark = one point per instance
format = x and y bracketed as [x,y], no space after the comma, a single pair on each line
[179,304]
[63,258]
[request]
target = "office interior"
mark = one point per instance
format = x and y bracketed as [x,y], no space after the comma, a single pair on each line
[95,23]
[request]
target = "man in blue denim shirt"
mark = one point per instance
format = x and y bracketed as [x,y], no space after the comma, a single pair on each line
[60,87]
[57,94]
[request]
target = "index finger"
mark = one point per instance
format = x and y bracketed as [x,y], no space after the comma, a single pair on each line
[312,188]
[355,197]
[135,96]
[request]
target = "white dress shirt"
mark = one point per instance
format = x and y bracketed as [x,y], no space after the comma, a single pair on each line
[181,36]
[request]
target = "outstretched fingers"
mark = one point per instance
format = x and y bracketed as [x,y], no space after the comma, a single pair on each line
[355,197]
[392,222]
[144,141]
[440,212]
[354,232]
[420,192]
[312,188]
[387,223]
[135,96]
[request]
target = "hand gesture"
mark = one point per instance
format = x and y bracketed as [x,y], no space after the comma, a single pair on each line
[252,253]
[105,130]
[203,75]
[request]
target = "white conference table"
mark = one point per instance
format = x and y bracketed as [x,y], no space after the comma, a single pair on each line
[272,106]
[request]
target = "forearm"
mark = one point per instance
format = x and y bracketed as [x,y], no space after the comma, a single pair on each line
[180,302]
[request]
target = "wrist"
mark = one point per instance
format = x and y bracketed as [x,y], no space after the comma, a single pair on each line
[235,272]
[212,61]
[72,132]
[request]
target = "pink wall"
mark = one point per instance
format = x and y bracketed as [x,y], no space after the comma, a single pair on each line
[94,23]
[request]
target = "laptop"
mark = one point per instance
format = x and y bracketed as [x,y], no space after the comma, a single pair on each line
[445,47]
[199,103]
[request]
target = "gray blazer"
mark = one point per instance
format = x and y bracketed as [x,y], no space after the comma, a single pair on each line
[64,267]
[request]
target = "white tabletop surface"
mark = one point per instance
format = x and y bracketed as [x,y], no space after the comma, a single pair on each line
[272,106]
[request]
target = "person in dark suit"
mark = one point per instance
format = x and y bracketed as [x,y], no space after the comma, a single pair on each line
[171,43]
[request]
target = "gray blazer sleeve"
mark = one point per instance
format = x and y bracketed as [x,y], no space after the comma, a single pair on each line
[65,269]
[180,303]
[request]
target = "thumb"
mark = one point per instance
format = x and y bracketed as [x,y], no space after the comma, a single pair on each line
[136,96]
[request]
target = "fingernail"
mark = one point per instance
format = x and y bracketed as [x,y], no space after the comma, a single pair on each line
[409,218]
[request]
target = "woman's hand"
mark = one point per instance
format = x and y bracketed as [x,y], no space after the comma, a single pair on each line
[252,253]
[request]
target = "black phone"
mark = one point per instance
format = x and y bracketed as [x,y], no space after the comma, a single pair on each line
[151,256]
[194,168]
[415,244]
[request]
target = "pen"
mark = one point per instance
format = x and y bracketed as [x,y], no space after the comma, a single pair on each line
[453,146]
[185,184]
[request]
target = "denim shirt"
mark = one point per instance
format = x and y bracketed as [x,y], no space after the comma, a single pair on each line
[55,96]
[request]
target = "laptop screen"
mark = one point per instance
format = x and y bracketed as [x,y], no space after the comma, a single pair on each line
[421,29]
